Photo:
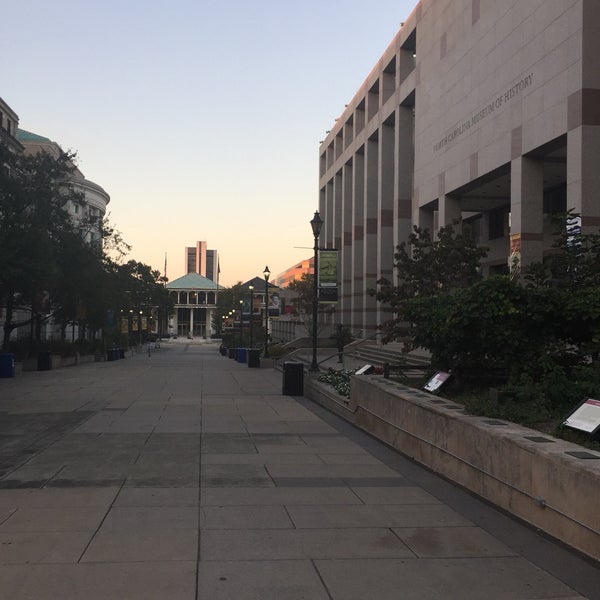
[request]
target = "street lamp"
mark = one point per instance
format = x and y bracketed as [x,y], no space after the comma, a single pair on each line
[251,288]
[266,274]
[316,223]
[241,323]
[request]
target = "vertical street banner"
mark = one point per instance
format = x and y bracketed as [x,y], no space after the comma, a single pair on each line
[328,276]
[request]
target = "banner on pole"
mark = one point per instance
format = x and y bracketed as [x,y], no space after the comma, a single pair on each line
[328,276]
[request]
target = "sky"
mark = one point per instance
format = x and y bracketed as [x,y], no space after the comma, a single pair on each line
[200,118]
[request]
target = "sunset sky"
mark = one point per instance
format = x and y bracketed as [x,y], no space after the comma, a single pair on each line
[200,118]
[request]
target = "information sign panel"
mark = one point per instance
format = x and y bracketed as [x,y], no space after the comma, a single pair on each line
[586,417]
[437,381]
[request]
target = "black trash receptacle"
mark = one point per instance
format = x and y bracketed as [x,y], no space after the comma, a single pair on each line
[293,379]
[7,365]
[44,361]
[253,358]
[232,352]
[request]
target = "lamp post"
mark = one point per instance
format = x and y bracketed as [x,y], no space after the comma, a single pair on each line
[266,274]
[316,223]
[251,288]
[241,323]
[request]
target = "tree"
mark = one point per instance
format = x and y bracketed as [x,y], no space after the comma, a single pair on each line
[427,268]
[302,300]
[34,191]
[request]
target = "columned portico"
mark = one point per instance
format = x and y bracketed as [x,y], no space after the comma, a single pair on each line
[195,301]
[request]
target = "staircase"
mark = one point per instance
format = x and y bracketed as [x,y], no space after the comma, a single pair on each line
[392,354]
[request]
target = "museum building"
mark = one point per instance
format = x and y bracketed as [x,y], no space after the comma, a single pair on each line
[478,111]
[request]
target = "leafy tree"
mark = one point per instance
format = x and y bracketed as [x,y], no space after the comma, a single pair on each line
[302,299]
[34,191]
[427,268]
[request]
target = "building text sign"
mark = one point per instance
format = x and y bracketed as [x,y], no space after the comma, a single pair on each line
[493,106]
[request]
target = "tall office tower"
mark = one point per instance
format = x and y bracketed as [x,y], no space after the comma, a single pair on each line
[195,259]
[202,261]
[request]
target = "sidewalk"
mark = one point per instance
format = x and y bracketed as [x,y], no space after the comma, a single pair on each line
[186,475]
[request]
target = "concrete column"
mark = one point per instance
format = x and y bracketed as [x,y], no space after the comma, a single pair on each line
[527,212]
[583,175]
[358,240]
[449,212]
[404,173]
[372,175]
[191,321]
[385,228]
[345,274]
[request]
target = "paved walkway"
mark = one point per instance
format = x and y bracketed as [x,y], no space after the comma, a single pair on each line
[186,475]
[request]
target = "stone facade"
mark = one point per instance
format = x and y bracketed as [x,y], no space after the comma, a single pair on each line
[479,111]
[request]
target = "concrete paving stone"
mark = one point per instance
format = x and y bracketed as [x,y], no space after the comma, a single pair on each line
[5,513]
[79,472]
[452,542]
[290,544]
[239,475]
[292,448]
[168,457]
[260,580]
[42,547]
[127,518]
[277,496]
[395,495]
[261,459]
[343,471]
[244,517]
[440,579]
[223,425]
[189,481]
[177,426]
[168,467]
[147,496]
[328,444]
[40,473]
[80,497]
[221,441]
[30,519]
[130,581]
[375,515]
[362,458]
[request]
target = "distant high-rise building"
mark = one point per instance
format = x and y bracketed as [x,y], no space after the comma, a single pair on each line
[202,261]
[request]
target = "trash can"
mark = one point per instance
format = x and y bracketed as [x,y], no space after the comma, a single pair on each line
[112,353]
[44,362]
[253,358]
[293,379]
[121,352]
[232,352]
[241,355]
[7,365]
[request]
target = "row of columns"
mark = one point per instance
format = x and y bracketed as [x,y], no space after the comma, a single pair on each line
[367,209]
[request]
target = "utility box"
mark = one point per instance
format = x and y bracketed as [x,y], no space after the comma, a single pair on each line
[253,358]
[293,379]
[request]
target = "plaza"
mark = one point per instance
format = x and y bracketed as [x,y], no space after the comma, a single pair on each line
[186,475]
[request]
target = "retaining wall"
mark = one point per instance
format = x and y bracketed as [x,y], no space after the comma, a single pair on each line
[552,484]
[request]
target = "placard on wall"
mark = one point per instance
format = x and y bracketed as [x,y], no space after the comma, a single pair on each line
[586,417]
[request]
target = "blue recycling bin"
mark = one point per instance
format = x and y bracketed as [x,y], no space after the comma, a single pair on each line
[7,365]
[241,355]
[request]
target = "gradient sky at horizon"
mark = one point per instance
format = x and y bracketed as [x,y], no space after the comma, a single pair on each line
[201,119]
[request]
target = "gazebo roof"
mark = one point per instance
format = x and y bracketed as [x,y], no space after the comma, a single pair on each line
[192,281]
